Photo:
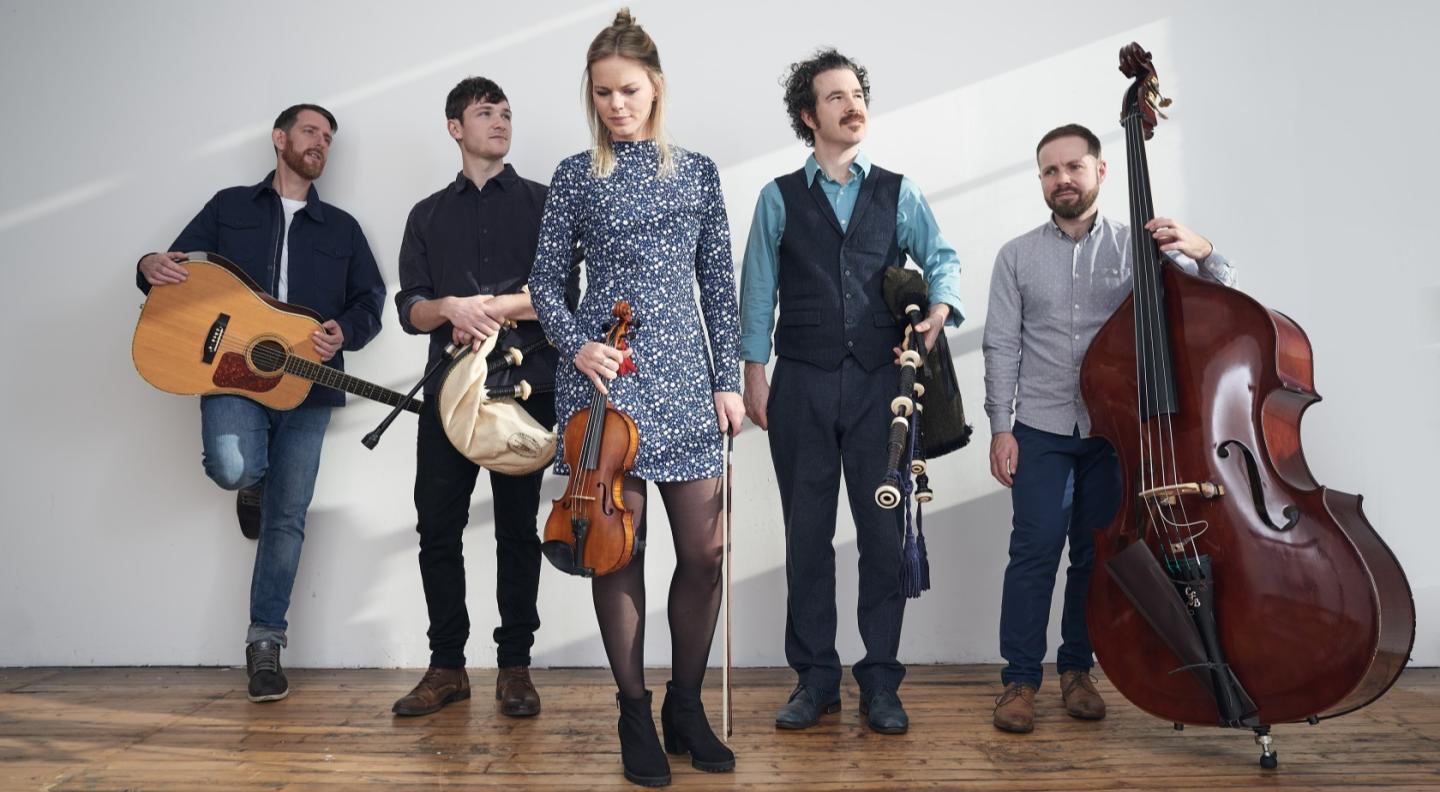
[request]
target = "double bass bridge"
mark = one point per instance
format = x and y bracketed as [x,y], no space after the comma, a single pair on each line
[1170,494]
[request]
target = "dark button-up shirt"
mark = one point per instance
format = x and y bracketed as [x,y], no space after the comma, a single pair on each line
[461,241]
[331,269]
[1049,296]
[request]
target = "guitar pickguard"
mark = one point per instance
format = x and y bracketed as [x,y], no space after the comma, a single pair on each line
[234,373]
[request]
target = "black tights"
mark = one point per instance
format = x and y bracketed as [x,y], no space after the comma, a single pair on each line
[694,511]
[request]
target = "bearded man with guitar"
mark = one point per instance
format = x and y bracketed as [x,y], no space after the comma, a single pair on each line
[297,249]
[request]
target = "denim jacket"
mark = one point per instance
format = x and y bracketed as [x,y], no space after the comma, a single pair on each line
[331,269]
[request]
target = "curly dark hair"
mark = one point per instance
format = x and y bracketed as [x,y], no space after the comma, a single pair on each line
[469,91]
[799,82]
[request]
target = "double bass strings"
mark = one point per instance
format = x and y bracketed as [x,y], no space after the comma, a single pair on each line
[1188,526]
[1179,533]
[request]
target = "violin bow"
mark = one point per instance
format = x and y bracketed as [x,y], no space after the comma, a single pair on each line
[726,701]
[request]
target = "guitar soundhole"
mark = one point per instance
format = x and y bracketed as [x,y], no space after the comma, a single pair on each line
[268,356]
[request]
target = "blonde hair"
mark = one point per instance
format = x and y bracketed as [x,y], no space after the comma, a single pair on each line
[628,40]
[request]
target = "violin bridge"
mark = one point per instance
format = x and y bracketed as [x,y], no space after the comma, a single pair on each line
[1170,494]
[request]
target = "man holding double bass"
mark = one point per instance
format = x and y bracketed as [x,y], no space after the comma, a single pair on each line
[1052,290]
[466,253]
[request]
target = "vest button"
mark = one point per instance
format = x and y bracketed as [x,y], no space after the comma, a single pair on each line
[849,343]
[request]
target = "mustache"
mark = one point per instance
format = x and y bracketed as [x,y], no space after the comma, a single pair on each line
[853,116]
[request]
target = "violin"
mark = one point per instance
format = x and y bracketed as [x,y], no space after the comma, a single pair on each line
[590,532]
[1231,588]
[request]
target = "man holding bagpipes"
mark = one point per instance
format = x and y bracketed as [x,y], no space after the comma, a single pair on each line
[821,241]
[466,253]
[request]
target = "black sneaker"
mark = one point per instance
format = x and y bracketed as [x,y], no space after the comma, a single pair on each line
[267,678]
[247,509]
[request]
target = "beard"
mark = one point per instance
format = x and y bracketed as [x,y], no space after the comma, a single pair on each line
[1076,209]
[309,169]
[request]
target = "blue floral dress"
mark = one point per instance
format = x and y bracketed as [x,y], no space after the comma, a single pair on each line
[648,240]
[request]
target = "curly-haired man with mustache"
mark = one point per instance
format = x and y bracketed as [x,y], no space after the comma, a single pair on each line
[821,240]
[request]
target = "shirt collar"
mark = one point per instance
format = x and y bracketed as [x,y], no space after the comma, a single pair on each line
[312,198]
[505,179]
[860,167]
[1095,226]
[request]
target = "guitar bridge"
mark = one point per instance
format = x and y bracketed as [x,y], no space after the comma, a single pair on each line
[214,337]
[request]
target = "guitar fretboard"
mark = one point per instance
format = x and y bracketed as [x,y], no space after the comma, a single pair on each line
[339,380]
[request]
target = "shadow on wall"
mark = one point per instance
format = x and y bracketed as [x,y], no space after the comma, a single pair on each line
[967,546]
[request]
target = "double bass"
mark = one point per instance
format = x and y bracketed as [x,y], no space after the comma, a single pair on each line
[1230,589]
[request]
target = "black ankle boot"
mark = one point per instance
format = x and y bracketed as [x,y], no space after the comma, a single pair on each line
[645,763]
[688,731]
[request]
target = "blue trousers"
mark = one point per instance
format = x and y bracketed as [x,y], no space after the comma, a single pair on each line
[1066,488]
[245,442]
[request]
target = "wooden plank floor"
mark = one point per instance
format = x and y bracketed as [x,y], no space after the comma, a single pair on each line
[192,728]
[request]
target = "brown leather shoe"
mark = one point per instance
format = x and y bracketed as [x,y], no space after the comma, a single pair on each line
[438,687]
[516,693]
[1082,700]
[1015,709]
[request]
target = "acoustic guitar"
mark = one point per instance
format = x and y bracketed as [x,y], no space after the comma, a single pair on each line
[218,332]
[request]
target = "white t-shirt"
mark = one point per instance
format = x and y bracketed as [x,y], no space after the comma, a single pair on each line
[292,206]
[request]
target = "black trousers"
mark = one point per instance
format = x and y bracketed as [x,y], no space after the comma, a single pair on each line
[444,482]
[822,424]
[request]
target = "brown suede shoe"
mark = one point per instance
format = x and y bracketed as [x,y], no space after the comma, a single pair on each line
[438,687]
[1015,709]
[1082,700]
[516,693]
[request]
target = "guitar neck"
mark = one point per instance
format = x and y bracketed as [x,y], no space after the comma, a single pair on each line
[339,380]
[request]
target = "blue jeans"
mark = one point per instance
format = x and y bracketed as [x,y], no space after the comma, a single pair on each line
[246,442]
[1066,487]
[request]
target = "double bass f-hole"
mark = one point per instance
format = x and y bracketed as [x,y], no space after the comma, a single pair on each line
[1257,487]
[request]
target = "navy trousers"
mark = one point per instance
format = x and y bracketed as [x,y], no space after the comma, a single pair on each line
[822,424]
[1066,488]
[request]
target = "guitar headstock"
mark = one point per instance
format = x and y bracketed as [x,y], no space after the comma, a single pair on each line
[1143,97]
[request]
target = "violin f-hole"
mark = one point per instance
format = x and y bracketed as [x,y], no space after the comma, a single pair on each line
[1257,489]
[606,502]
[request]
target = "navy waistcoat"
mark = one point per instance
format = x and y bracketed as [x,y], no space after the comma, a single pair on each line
[831,304]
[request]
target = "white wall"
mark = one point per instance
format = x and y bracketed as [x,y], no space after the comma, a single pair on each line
[1298,142]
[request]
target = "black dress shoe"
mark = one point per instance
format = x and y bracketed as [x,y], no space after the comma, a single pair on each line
[247,509]
[805,707]
[884,713]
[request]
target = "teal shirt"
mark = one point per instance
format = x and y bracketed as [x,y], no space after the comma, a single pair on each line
[916,233]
